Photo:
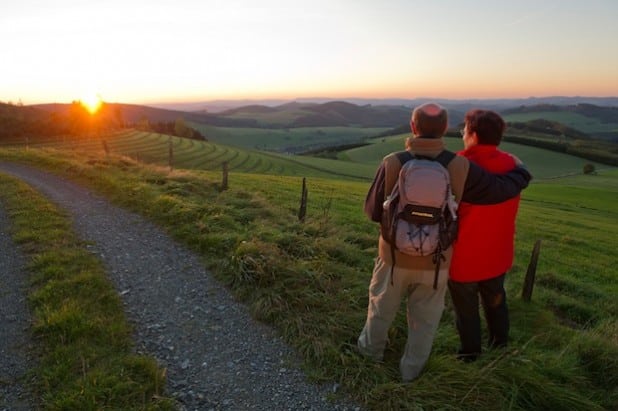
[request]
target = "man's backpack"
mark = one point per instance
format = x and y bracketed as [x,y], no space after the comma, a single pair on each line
[421,212]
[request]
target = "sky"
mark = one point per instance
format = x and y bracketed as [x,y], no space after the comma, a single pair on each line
[148,51]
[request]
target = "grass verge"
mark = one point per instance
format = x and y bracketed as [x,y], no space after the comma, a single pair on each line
[83,338]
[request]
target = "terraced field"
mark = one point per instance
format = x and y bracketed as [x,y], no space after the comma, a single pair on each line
[204,155]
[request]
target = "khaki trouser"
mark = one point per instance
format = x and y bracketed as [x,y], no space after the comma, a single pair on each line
[424,309]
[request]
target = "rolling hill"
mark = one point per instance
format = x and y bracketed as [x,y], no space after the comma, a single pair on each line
[291,115]
[132,113]
[306,126]
[333,113]
[460,105]
[595,121]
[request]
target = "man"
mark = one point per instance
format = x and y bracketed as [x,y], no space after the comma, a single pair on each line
[413,277]
[483,252]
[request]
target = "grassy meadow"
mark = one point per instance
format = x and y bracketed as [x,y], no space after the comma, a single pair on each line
[357,164]
[286,139]
[309,280]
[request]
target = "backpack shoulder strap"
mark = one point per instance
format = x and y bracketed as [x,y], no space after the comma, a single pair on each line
[445,158]
[404,156]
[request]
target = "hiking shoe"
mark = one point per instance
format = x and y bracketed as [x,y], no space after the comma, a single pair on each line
[467,357]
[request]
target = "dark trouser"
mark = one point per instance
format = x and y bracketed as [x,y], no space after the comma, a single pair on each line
[466,303]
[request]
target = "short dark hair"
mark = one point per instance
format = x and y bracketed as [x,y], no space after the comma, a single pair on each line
[430,120]
[487,124]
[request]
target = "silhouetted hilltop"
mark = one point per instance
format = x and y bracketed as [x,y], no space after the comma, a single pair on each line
[462,105]
[344,113]
[333,113]
[252,109]
[133,113]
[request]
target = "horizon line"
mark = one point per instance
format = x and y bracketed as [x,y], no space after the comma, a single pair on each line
[275,99]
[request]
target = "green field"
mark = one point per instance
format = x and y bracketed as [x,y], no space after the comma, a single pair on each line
[270,118]
[354,164]
[286,139]
[541,163]
[310,280]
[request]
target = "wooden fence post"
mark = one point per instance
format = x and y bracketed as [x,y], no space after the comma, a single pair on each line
[303,202]
[171,154]
[224,185]
[105,147]
[526,292]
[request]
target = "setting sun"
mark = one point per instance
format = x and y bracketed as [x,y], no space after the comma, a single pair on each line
[92,102]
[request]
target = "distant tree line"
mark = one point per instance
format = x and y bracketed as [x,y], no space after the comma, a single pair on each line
[588,151]
[330,151]
[604,114]
[549,127]
[405,128]
[18,121]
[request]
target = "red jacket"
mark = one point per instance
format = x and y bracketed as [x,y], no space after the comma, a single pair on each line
[485,244]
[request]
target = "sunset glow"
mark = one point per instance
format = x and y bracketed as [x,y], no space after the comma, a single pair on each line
[321,48]
[92,102]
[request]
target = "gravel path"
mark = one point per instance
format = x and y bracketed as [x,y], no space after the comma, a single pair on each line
[14,324]
[217,357]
